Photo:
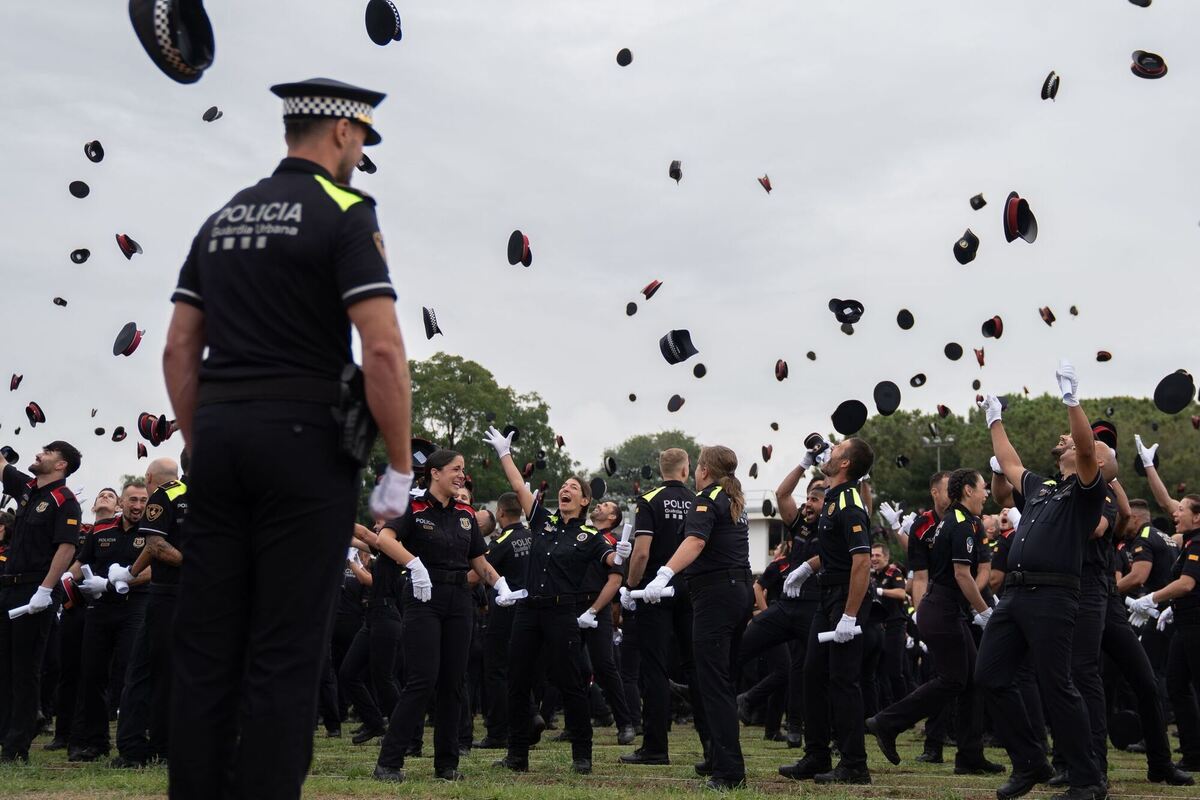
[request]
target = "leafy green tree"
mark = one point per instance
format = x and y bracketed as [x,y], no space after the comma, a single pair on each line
[641,451]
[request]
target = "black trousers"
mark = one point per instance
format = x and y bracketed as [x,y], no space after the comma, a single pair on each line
[945,630]
[598,642]
[660,624]
[763,640]
[719,616]
[371,662]
[22,644]
[872,636]
[784,622]
[892,687]
[70,649]
[495,670]
[1038,622]
[264,551]
[51,666]
[436,640]
[109,628]
[1183,685]
[629,662]
[832,686]
[136,698]
[554,628]
[345,627]
[1120,644]
[1085,668]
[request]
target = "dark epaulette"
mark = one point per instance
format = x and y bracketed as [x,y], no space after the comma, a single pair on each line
[61,495]
[418,505]
[463,507]
[106,525]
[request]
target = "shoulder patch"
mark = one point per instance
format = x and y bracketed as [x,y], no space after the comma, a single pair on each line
[153,512]
[587,529]
[176,489]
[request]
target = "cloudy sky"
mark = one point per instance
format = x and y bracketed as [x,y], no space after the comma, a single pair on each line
[876,121]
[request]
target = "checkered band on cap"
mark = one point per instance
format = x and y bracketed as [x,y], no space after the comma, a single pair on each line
[328,107]
[674,348]
[162,34]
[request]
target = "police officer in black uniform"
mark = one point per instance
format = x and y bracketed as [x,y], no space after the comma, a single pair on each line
[714,558]
[438,541]
[832,670]
[277,421]
[41,544]
[1037,613]
[658,531]
[509,556]
[1152,556]
[893,601]
[546,625]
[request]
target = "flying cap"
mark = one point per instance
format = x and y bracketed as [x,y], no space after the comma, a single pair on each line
[993,328]
[324,97]
[1148,65]
[365,164]
[176,35]
[610,466]
[518,249]
[953,351]
[675,403]
[118,434]
[768,508]
[917,381]
[848,312]
[979,355]
[129,248]
[943,411]
[887,398]
[58,301]
[1047,315]
[1050,86]
[1106,432]
[781,370]
[632,397]
[849,417]
[1103,355]
[1175,392]
[650,288]
[699,370]
[846,328]
[212,114]
[10,455]
[966,247]
[977,202]
[81,255]
[624,57]
[767,451]
[35,414]
[599,488]
[514,430]
[765,182]
[774,426]
[1196,422]
[431,325]
[422,449]
[630,308]
[810,355]
[79,189]
[901,461]
[905,319]
[94,151]
[676,346]
[383,22]
[975,384]
[559,441]
[647,472]
[141,450]
[1073,311]
[675,172]
[1019,221]
[753,470]
[15,381]
[1143,4]
[99,431]
[127,340]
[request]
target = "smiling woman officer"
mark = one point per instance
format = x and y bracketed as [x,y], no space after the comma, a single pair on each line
[563,548]
[437,541]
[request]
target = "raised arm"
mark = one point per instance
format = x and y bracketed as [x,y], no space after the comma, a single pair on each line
[1006,454]
[1157,487]
[503,446]
[784,499]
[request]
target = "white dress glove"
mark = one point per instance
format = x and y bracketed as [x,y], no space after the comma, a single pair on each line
[502,592]
[389,498]
[116,572]
[879,591]
[794,582]
[994,464]
[587,620]
[981,617]
[907,523]
[1165,618]
[418,576]
[94,586]
[40,600]
[653,591]
[624,549]
[627,602]
[992,413]
[500,443]
[891,515]
[1014,517]
[1068,383]
[1143,605]
[844,631]
[808,459]
[1146,454]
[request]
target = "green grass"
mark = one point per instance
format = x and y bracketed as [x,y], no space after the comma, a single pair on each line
[342,770]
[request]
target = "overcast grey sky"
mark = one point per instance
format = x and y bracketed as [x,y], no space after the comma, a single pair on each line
[876,121]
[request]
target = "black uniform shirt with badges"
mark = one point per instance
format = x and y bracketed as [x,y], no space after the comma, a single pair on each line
[1187,608]
[110,544]
[387,580]
[1153,546]
[1057,522]
[844,531]
[957,539]
[560,553]
[661,513]
[444,536]
[805,545]
[918,543]
[509,555]
[46,517]
[890,577]
[726,540]
[352,597]
[165,513]
[597,574]
[275,270]
[1098,553]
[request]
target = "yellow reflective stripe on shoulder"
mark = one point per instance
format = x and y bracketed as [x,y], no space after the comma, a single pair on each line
[857,498]
[500,539]
[343,198]
[958,515]
[1051,482]
[650,495]
[1146,532]
[713,494]
[176,491]
[588,529]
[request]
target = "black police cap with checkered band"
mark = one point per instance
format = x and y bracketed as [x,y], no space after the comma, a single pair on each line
[176,35]
[324,97]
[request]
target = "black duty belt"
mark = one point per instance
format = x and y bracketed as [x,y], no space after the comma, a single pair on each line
[21,579]
[299,389]
[1041,579]
[383,602]
[550,601]
[833,579]
[719,576]
[169,589]
[451,577]
[589,598]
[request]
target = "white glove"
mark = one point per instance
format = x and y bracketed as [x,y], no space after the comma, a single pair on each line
[909,644]
[623,549]
[994,463]
[808,459]
[914,619]
[791,586]
[844,631]
[587,620]
[1137,619]
[506,599]
[1014,517]
[500,443]
[502,591]
[653,591]
[1165,618]
[418,576]
[1068,383]
[1143,605]
[390,496]
[991,411]
[907,523]
[891,515]
[40,600]
[120,577]
[1146,454]
[94,586]
[879,591]
[627,602]
[981,618]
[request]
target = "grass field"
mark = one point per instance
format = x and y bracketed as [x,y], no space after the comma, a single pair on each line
[342,770]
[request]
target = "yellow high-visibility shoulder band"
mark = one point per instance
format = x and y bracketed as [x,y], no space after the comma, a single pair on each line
[343,198]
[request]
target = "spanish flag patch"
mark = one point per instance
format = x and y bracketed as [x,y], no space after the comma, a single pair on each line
[702,508]
[1193,557]
[856,528]
[72,521]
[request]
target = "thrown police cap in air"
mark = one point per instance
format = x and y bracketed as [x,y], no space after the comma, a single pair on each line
[675,172]
[1019,222]
[977,202]
[975,384]
[765,182]
[11,456]
[677,346]
[647,473]
[94,151]
[979,355]
[610,466]
[993,328]
[15,381]
[1175,392]
[99,431]
[155,429]
[1103,355]
[905,319]
[1143,4]
[383,22]
[767,451]
[141,450]
[966,247]
[781,370]
[953,351]
[1148,65]
[774,426]
[1196,422]
[127,340]
[518,249]
[118,434]
[431,324]
[1050,86]
[768,508]
[514,430]
[848,312]
[632,397]
[58,301]
[176,35]
[753,473]
[624,57]
[422,449]
[918,380]
[887,398]
[699,370]
[1047,315]
[35,414]
[129,248]
[902,461]
[79,189]
[943,411]
[81,255]
[1073,311]
[650,288]
[810,355]
[1106,432]
[599,488]
[212,114]
[675,403]
[324,97]
[849,417]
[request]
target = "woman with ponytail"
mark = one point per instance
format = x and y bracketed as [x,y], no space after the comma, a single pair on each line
[714,559]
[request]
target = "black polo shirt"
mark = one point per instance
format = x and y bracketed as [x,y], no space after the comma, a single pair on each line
[957,539]
[275,270]
[726,540]
[444,537]
[1097,554]
[509,555]
[165,512]
[890,577]
[918,546]
[46,517]
[1121,562]
[352,596]
[805,545]
[1187,608]
[387,580]
[843,532]
[560,553]
[113,543]
[1057,522]
[661,513]
[1154,546]
[597,573]
[1000,552]
[771,579]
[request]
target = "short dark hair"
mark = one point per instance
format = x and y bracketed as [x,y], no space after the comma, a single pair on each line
[620,517]
[861,457]
[816,483]
[509,505]
[1139,504]
[67,452]
[297,129]
[880,546]
[137,483]
[936,477]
